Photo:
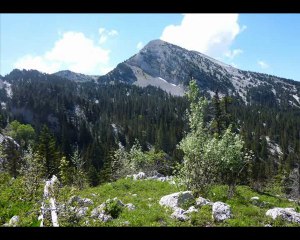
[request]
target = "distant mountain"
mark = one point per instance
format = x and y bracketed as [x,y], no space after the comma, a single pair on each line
[99,115]
[76,77]
[171,67]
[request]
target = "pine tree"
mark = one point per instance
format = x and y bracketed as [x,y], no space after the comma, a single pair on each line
[32,173]
[65,171]
[79,174]
[47,149]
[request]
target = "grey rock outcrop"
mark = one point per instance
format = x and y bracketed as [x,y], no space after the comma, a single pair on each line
[180,214]
[176,200]
[83,202]
[98,210]
[221,211]
[286,214]
[81,212]
[104,217]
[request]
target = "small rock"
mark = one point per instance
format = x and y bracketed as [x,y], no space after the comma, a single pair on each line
[98,210]
[126,223]
[175,200]
[14,221]
[104,217]
[254,198]
[134,195]
[86,202]
[180,215]
[200,201]
[139,176]
[130,206]
[221,211]
[83,202]
[268,225]
[157,174]
[81,212]
[191,210]
[162,179]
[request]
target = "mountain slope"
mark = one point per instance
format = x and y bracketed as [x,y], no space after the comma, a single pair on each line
[76,77]
[171,67]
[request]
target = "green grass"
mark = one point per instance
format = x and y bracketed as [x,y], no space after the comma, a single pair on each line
[145,195]
[13,200]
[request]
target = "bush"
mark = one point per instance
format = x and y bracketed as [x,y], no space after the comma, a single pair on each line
[113,208]
[135,160]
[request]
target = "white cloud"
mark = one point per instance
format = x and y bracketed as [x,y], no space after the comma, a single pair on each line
[231,54]
[35,62]
[104,34]
[140,45]
[211,34]
[263,64]
[73,51]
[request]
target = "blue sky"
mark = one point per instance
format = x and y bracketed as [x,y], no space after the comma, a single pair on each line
[96,43]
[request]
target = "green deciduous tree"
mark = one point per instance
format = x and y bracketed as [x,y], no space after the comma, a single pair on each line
[23,133]
[208,160]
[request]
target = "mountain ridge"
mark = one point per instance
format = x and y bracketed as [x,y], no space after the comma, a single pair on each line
[171,67]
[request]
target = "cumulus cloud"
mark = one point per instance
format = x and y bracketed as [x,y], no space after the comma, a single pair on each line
[140,45]
[73,51]
[35,62]
[263,64]
[104,34]
[211,34]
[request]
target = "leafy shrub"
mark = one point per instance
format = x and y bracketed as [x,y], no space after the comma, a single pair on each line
[113,208]
[135,160]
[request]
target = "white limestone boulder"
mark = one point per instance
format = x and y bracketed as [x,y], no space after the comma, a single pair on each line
[221,211]
[175,200]
[286,214]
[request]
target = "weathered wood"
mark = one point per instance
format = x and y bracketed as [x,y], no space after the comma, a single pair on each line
[51,206]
